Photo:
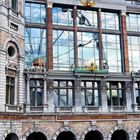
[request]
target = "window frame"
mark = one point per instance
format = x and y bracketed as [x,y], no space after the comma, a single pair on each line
[10,99]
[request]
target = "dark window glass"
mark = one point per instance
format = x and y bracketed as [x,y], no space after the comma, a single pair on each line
[10,90]
[115,94]
[36,92]
[137,93]
[14,4]
[90,93]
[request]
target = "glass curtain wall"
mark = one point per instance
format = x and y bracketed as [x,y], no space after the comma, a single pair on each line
[35,36]
[133,29]
[111,41]
[63,39]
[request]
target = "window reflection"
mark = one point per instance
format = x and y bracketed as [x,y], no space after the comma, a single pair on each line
[35,44]
[137,93]
[62,16]
[90,93]
[35,13]
[134,52]
[133,22]
[110,21]
[64,91]
[86,18]
[63,50]
[88,49]
[112,52]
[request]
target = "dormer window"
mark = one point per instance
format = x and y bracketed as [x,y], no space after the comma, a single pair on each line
[14,4]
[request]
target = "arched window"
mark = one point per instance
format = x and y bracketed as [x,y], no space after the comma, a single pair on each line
[94,135]
[66,136]
[119,135]
[14,4]
[36,136]
[12,136]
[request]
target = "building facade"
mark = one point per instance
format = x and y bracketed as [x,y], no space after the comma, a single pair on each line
[69,70]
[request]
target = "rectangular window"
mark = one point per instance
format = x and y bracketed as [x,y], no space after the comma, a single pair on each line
[112,52]
[35,13]
[64,91]
[110,21]
[115,94]
[134,52]
[63,50]
[14,5]
[137,93]
[10,90]
[36,92]
[90,93]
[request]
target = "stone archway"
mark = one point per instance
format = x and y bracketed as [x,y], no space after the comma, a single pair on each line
[66,132]
[123,131]
[66,135]
[36,136]
[138,136]
[120,135]
[32,132]
[93,132]
[12,136]
[96,135]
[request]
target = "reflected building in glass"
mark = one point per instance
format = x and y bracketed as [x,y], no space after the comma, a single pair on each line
[69,70]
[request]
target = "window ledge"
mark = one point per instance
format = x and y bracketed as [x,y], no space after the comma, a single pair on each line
[117,108]
[36,108]
[9,107]
[65,109]
[94,109]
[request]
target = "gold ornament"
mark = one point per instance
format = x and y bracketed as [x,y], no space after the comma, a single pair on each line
[88,3]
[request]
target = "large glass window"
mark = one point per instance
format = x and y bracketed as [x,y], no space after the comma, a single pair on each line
[90,93]
[10,90]
[134,52]
[112,52]
[88,49]
[133,22]
[63,50]
[110,21]
[64,91]
[115,94]
[35,12]
[62,16]
[86,18]
[36,92]
[137,93]
[35,47]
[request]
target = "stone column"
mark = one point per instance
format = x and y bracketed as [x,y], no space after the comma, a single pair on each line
[50,96]
[134,103]
[78,107]
[104,106]
[128,87]
[21,82]
[45,95]
[49,37]
[124,42]
[2,79]
[28,94]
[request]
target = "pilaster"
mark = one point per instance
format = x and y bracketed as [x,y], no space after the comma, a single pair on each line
[49,37]
[124,42]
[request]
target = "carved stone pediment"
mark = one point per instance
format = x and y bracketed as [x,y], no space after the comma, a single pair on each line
[12,66]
